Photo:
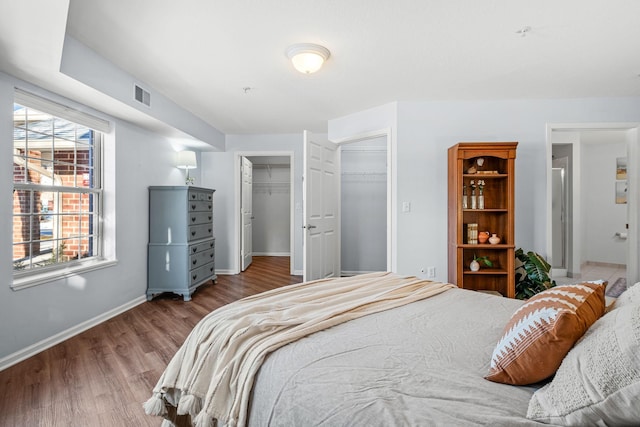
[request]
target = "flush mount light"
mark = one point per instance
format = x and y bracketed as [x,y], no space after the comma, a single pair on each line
[307,57]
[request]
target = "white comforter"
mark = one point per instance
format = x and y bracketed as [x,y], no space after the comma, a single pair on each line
[211,375]
[418,365]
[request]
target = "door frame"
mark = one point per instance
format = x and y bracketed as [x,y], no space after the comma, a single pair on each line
[392,244]
[633,178]
[237,173]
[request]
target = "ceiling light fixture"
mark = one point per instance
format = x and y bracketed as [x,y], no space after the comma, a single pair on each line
[523,31]
[307,57]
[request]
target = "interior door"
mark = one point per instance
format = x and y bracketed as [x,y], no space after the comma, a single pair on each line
[246,212]
[321,242]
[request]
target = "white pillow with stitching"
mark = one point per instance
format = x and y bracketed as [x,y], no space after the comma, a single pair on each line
[598,382]
[630,296]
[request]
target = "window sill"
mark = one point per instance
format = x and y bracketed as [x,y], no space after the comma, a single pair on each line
[34,279]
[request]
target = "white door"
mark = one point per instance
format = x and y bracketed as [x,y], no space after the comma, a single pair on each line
[246,212]
[321,240]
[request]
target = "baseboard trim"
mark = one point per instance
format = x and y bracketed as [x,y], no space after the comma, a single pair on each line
[270,254]
[46,343]
[225,272]
[353,273]
[603,264]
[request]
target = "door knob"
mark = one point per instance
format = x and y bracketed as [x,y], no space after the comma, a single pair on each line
[309,226]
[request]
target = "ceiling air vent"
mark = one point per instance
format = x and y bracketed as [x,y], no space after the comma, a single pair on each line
[142,95]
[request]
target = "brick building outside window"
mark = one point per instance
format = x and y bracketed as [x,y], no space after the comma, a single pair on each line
[57,189]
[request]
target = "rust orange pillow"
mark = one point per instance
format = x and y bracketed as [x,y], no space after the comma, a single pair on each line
[542,331]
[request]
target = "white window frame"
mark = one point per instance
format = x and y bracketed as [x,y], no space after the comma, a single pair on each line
[32,277]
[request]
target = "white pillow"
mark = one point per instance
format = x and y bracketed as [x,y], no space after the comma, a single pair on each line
[598,383]
[630,296]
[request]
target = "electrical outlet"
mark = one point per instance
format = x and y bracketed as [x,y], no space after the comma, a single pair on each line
[431,272]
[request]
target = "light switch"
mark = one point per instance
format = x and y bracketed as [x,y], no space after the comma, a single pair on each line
[406,207]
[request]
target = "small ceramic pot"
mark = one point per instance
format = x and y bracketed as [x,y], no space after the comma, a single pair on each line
[483,236]
[494,239]
[474,265]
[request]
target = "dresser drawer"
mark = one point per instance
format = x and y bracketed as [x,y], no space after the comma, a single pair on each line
[210,244]
[202,273]
[200,231]
[200,195]
[200,206]
[200,218]
[201,258]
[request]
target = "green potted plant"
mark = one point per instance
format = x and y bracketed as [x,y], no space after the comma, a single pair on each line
[532,274]
[475,262]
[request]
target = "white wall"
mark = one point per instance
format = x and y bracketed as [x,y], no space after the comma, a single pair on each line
[218,171]
[602,216]
[38,313]
[426,129]
[85,65]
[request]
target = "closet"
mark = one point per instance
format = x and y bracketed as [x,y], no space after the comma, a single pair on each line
[271,205]
[363,206]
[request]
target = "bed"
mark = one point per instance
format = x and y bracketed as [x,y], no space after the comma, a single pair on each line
[423,362]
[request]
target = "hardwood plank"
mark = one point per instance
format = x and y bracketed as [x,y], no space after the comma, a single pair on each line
[102,376]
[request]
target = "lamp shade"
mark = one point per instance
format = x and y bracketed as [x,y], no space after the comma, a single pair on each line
[307,57]
[186,160]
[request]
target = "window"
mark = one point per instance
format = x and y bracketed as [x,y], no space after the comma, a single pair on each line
[57,187]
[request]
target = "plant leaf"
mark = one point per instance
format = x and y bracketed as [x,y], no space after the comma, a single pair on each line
[537,268]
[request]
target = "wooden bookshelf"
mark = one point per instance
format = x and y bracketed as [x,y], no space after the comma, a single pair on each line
[497,171]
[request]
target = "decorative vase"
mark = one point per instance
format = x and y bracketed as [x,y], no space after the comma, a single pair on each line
[483,236]
[464,197]
[474,203]
[494,239]
[474,265]
[481,201]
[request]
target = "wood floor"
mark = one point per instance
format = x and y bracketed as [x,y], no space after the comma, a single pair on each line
[102,376]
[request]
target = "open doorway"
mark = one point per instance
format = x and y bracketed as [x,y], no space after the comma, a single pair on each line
[378,146]
[590,234]
[265,208]
[363,202]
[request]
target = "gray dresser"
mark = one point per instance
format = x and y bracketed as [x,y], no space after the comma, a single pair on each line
[181,250]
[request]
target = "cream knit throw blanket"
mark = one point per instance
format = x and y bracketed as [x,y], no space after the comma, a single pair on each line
[211,375]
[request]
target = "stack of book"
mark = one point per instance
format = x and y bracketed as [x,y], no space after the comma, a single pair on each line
[472,233]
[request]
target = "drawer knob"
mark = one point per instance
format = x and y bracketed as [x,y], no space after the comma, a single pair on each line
[210,230]
[194,250]
[193,207]
[194,262]
[194,276]
[193,219]
[193,233]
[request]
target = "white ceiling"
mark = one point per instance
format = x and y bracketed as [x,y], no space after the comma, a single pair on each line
[202,53]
